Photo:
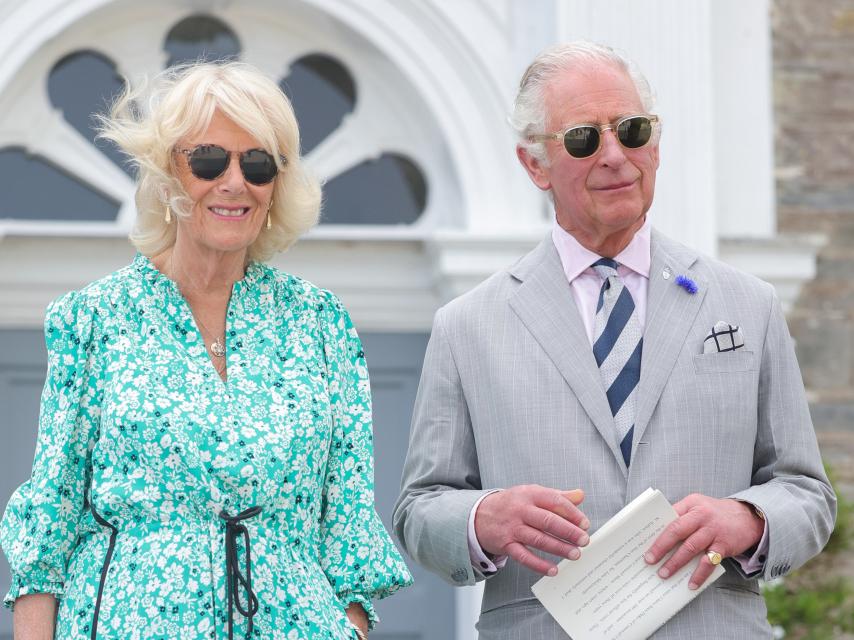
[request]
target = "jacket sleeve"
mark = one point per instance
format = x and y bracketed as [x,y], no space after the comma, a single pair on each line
[441,476]
[40,524]
[356,552]
[789,484]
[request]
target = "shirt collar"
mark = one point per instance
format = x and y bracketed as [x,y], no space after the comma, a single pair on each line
[576,259]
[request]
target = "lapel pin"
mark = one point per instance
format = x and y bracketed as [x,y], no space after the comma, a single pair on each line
[686,283]
[666,273]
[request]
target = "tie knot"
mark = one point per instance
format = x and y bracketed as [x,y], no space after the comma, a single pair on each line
[605,267]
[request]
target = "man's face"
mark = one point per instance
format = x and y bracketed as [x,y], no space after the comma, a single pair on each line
[601,200]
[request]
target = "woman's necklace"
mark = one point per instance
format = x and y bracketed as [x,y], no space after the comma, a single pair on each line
[217,347]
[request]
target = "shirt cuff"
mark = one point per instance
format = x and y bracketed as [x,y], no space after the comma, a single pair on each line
[479,560]
[756,562]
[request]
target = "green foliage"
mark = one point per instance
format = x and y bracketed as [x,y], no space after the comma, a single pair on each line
[840,539]
[806,611]
[813,603]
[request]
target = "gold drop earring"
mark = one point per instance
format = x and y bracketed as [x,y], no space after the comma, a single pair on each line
[269,222]
[168,217]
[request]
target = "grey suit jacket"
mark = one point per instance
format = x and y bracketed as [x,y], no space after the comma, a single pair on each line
[510,394]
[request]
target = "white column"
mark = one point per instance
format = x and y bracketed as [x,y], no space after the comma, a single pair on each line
[743,117]
[468,611]
[671,42]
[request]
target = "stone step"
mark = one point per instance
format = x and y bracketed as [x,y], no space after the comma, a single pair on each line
[836,260]
[825,349]
[835,416]
[827,295]
[804,220]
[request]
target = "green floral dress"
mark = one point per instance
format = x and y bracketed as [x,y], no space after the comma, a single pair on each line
[165,503]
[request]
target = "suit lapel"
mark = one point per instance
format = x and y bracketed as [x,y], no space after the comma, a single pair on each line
[545,305]
[670,313]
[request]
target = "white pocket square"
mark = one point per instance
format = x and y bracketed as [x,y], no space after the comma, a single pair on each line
[724,337]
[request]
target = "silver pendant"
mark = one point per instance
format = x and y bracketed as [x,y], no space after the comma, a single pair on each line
[218,348]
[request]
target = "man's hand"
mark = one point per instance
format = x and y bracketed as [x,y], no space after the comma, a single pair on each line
[507,522]
[724,525]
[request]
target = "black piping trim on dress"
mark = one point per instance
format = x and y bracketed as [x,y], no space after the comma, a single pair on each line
[109,555]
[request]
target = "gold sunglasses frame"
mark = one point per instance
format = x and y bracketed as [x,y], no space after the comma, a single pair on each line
[602,128]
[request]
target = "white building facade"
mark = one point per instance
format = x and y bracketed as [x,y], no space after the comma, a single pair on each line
[425,88]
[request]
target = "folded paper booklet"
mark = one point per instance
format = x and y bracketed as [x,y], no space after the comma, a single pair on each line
[611,592]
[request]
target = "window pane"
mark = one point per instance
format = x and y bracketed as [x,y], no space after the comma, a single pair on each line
[322,92]
[201,37]
[390,190]
[33,189]
[84,83]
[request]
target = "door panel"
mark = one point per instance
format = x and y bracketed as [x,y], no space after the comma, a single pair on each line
[22,372]
[426,609]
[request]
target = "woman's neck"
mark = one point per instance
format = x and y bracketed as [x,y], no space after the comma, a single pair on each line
[207,273]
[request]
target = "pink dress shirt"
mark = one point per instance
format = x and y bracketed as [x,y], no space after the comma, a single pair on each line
[585,284]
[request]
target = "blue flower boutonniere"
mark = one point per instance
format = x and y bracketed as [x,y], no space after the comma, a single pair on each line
[686,283]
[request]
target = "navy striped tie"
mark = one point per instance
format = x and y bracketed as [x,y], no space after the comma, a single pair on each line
[617,346]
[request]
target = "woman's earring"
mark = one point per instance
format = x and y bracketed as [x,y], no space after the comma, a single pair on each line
[168,214]
[269,222]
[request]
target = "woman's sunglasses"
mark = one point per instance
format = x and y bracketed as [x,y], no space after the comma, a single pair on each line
[584,140]
[209,162]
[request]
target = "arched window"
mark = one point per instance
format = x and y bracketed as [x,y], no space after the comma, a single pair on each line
[201,37]
[389,190]
[322,92]
[40,191]
[371,175]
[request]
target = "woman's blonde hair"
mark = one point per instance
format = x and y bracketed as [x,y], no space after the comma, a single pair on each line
[148,122]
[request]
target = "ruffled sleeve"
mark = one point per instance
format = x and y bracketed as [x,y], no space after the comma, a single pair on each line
[356,552]
[40,524]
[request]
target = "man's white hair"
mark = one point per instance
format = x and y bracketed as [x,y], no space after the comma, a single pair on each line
[529,109]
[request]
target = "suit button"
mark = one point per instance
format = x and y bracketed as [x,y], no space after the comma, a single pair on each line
[459,575]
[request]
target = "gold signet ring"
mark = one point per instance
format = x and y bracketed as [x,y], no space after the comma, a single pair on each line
[714,557]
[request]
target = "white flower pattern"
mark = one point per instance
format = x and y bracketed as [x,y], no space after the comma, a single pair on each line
[141,446]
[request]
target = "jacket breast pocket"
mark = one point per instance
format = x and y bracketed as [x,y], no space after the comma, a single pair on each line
[725,362]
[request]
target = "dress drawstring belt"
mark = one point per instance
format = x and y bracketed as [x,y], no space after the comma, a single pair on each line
[234,578]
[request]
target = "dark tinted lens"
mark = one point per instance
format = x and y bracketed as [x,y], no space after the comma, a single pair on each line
[207,162]
[258,166]
[581,142]
[634,132]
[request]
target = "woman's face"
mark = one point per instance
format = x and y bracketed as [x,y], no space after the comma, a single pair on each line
[228,212]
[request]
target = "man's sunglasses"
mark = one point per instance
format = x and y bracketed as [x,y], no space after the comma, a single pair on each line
[584,140]
[209,162]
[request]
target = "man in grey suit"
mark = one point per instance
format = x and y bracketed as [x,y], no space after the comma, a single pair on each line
[608,360]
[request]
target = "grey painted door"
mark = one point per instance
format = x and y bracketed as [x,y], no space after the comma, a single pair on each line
[425,610]
[22,371]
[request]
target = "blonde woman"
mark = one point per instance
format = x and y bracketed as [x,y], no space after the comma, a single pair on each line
[204,462]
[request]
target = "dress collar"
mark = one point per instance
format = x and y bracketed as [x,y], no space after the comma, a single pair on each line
[255,272]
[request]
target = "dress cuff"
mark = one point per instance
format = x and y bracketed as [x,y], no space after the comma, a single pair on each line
[479,560]
[366,604]
[20,588]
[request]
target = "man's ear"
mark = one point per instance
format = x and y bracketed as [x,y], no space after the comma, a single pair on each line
[536,171]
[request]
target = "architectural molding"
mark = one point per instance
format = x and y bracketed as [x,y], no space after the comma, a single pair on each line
[388,283]
[423,91]
[787,261]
